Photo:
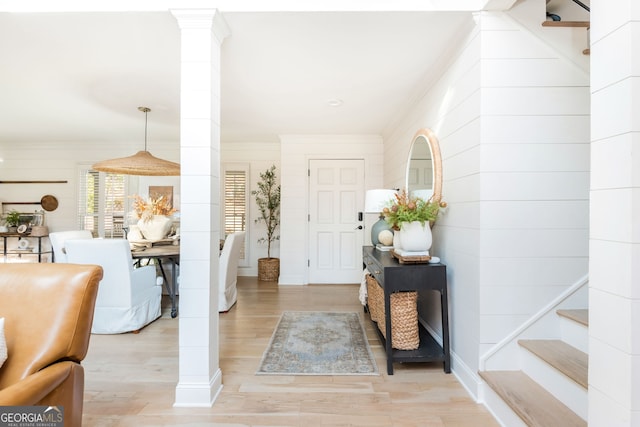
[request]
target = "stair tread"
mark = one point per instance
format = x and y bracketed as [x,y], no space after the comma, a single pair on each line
[536,406]
[565,358]
[585,24]
[580,315]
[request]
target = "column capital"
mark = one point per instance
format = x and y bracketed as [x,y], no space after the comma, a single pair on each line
[202,19]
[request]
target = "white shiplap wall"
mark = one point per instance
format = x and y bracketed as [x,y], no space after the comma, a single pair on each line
[259,156]
[297,150]
[534,175]
[614,292]
[59,161]
[512,115]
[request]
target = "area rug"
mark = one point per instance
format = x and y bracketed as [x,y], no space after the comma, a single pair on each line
[318,343]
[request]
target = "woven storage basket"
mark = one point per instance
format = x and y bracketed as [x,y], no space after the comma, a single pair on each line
[375,299]
[404,316]
[268,269]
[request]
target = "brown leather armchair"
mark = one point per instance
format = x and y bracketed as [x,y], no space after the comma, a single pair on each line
[48,311]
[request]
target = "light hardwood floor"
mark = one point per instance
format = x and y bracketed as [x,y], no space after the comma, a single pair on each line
[130,379]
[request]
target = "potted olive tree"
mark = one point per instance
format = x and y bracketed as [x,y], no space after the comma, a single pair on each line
[267,198]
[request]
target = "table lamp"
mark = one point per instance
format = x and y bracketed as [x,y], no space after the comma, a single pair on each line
[374,202]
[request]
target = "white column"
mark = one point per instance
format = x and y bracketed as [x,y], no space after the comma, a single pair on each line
[614,266]
[200,378]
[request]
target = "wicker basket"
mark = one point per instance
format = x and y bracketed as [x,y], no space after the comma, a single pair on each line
[39,231]
[375,299]
[404,315]
[268,269]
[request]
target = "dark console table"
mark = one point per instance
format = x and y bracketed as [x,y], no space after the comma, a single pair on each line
[395,277]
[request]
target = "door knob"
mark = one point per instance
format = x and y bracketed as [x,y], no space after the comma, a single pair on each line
[359,227]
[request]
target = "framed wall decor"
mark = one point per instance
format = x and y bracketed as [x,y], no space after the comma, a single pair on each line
[166,191]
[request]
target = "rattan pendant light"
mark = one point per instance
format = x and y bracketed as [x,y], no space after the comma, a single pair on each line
[141,163]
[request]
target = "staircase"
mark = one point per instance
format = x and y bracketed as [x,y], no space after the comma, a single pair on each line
[556,21]
[550,388]
[572,24]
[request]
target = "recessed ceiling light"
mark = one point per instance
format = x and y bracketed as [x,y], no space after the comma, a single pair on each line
[335,102]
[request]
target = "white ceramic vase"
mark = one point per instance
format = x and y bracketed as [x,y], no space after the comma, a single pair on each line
[397,245]
[156,228]
[415,236]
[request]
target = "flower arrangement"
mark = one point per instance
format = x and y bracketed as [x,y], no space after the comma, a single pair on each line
[408,209]
[146,209]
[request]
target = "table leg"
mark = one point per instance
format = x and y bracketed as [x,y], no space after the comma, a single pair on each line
[388,341]
[174,283]
[171,288]
[445,330]
[164,276]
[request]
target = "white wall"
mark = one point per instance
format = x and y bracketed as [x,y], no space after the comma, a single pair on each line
[614,267]
[297,150]
[59,161]
[259,156]
[512,116]
[451,108]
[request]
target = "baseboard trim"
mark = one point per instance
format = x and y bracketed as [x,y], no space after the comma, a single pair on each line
[198,395]
[469,379]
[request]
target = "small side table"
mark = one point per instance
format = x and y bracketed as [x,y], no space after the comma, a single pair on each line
[20,252]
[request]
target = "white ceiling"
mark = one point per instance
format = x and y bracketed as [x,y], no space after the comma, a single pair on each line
[81,76]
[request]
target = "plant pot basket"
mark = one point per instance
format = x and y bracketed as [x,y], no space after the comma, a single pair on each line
[404,315]
[268,269]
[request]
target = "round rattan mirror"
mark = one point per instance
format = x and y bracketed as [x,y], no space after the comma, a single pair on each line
[424,167]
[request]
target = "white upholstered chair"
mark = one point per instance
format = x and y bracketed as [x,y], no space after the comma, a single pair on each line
[57,239]
[128,298]
[228,277]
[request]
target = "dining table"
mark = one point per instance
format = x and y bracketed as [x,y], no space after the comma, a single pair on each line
[159,254]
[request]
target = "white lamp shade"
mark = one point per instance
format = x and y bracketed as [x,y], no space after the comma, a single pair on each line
[376,200]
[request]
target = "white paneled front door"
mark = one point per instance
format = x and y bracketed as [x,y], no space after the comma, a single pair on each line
[336,196]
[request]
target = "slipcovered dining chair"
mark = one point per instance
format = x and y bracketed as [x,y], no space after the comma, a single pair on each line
[57,239]
[228,277]
[128,298]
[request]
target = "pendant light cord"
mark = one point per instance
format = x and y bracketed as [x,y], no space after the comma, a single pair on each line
[145,110]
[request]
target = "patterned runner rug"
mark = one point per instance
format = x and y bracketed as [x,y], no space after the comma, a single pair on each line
[318,343]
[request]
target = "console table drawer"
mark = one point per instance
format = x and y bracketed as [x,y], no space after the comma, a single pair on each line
[375,269]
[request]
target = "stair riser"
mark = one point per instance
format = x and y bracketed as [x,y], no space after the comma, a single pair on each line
[563,388]
[499,409]
[574,334]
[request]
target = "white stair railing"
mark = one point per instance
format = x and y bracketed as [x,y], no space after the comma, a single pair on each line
[548,309]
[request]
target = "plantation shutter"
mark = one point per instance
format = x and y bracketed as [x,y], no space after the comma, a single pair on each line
[235,204]
[114,205]
[101,203]
[88,201]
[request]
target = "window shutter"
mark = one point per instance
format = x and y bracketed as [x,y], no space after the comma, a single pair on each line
[88,200]
[114,205]
[235,206]
[101,202]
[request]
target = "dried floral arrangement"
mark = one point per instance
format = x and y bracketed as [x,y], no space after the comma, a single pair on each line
[145,209]
[407,209]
